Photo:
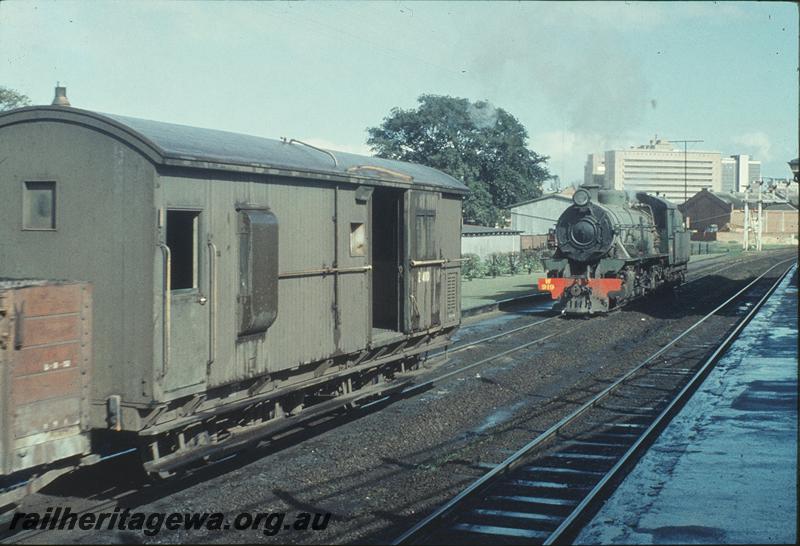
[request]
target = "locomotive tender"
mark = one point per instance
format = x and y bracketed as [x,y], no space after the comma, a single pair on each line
[238,283]
[611,249]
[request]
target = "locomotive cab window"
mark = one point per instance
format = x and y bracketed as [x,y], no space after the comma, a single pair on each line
[39,206]
[257,301]
[182,240]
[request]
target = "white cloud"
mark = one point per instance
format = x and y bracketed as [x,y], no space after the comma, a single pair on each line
[568,150]
[756,144]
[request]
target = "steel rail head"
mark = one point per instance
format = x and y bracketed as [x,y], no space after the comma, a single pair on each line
[666,414]
[471,345]
[526,326]
[498,336]
[508,463]
[430,382]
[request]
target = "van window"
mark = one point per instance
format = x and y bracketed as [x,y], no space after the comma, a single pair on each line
[39,205]
[182,240]
[424,235]
[358,239]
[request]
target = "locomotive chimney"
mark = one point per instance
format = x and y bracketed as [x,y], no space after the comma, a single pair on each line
[61,97]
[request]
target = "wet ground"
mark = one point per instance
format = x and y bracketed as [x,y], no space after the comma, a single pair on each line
[725,469]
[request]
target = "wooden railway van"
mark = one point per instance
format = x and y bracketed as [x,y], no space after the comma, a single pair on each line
[237,280]
[45,371]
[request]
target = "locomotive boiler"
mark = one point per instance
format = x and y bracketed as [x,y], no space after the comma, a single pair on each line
[612,248]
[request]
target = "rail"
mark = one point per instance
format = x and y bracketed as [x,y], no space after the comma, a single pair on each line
[407,391]
[458,348]
[516,458]
[25,535]
[672,408]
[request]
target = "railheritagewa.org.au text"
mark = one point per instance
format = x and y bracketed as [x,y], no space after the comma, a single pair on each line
[151,524]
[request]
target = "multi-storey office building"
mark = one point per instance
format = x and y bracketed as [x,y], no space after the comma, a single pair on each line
[738,172]
[659,168]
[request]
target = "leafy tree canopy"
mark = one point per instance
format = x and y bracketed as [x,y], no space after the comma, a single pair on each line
[473,141]
[10,99]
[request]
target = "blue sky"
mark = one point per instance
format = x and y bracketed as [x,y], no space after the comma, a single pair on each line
[582,77]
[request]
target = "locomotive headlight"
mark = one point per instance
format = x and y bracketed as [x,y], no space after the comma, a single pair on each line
[581,197]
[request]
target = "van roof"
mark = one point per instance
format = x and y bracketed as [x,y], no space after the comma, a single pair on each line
[186,146]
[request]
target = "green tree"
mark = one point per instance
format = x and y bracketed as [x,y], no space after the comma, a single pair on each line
[484,146]
[10,99]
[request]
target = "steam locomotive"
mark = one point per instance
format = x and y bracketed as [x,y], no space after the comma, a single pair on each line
[612,248]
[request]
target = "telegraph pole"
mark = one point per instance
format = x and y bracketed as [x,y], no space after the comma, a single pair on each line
[685,167]
[745,233]
[760,231]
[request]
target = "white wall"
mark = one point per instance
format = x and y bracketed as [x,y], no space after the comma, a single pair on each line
[484,245]
[538,217]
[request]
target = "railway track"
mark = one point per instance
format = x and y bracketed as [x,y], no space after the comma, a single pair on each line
[546,490]
[124,495]
[700,273]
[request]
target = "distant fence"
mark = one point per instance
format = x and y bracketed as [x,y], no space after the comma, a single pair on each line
[767,238]
[486,245]
[707,236]
[701,248]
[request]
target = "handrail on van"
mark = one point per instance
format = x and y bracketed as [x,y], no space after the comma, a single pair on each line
[422,263]
[166,303]
[212,311]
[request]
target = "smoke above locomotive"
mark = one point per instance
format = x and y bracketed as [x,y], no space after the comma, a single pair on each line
[612,248]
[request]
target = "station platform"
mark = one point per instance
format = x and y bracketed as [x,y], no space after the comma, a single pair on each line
[725,469]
